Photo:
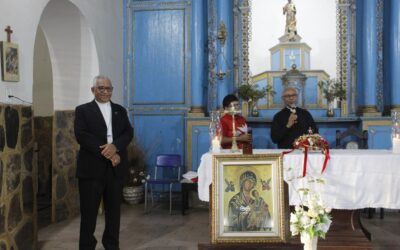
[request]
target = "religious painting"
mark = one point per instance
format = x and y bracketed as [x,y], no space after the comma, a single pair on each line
[249,202]
[9,62]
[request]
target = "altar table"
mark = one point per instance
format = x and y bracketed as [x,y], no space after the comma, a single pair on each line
[354,178]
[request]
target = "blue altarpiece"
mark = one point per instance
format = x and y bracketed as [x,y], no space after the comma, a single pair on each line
[174,59]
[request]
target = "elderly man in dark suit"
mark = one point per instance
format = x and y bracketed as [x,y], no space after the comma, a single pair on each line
[103,131]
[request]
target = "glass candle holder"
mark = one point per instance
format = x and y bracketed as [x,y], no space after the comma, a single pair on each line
[215,132]
[396,131]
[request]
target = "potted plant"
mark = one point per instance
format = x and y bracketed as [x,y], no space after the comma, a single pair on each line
[332,89]
[133,191]
[251,94]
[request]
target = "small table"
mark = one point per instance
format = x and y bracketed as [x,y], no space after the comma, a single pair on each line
[186,187]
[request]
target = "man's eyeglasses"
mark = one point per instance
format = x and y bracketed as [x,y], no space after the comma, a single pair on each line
[103,89]
[290,96]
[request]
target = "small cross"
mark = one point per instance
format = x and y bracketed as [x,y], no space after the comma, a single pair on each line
[9,32]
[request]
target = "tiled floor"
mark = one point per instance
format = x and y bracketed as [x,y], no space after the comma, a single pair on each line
[158,230]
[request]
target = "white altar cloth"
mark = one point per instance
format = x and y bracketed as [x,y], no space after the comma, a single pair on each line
[354,178]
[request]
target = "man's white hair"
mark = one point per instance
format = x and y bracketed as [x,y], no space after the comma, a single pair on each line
[100,77]
[287,89]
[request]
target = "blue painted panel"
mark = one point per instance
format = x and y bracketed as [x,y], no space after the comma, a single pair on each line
[159,57]
[306,60]
[276,61]
[159,134]
[393,49]
[311,90]
[380,137]
[278,87]
[262,135]
[288,62]
[262,84]
[200,144]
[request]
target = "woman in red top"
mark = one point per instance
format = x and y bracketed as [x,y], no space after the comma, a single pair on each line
[230,103]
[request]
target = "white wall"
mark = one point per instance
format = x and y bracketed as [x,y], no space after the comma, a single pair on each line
[42,77]
[103,17]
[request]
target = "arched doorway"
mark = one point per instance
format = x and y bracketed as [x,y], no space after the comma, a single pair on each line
[65,60]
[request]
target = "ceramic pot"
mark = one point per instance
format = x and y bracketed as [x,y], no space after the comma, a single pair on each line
[133,195]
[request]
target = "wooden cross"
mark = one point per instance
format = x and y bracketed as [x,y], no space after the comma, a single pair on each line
[9,32]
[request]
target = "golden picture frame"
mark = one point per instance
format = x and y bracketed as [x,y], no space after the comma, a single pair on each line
[9,62]
[249,201]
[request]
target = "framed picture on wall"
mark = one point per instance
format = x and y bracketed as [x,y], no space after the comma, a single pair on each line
[249,199]
[9,62]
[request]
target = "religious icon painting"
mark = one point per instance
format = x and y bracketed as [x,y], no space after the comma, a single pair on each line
[249,199]
[9,62]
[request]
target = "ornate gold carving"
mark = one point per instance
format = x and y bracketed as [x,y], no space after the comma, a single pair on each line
[246,12]
[341,43]
[222,33]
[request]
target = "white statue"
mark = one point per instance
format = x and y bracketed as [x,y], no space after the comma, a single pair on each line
[290,11]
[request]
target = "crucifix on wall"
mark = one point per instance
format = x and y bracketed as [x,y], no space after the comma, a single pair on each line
[9,58]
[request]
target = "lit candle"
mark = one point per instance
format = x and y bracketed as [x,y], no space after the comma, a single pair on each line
[396,144]
[215,145]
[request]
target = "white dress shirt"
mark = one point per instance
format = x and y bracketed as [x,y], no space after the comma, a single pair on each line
[105,109]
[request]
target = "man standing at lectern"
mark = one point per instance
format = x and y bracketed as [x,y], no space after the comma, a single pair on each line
[103,132]
[291,122]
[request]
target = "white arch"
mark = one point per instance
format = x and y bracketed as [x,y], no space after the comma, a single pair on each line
[73,53]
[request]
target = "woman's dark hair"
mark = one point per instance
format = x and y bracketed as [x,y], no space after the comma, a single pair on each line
[228,99]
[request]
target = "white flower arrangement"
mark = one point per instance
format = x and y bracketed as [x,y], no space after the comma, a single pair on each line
[310,218]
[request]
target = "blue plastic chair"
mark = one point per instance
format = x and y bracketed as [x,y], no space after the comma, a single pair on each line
[166,172]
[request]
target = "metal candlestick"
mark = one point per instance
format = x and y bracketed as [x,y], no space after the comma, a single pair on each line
[232,111]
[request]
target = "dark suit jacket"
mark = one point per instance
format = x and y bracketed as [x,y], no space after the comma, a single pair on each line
[91,133]
[284,136]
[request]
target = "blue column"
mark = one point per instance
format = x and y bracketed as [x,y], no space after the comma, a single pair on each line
[225,53]
[198,67]
[368,57]
[394,53]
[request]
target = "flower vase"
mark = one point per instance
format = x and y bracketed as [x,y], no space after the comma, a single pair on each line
[330,111]
[254,110]
[308,242]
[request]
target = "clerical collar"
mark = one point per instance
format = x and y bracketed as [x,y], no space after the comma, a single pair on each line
[292,109]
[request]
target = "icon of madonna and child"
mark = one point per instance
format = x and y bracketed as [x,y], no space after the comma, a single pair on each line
[248,210]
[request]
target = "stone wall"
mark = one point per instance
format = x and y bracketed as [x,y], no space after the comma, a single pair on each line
[43,127]
[18,229]
[65,196]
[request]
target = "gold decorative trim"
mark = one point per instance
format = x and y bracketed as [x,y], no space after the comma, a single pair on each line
[368,110]
[367,124]
[245,40]
[341,49]
[197,111]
